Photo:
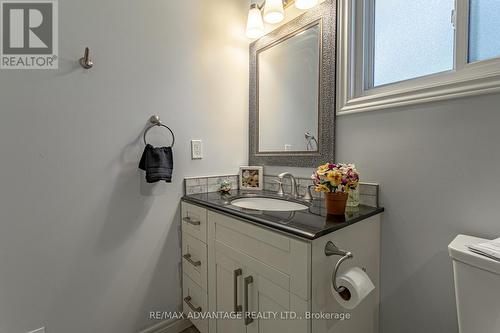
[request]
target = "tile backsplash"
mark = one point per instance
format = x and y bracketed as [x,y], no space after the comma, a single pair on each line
[368,192]
[194,185]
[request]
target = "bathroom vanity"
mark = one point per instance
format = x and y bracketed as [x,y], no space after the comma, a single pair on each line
[242,261]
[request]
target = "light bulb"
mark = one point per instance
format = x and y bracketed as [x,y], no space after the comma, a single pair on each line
[305,4]
[274,11]
[255,25]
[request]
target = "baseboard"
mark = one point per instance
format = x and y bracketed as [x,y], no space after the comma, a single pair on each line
[169,326]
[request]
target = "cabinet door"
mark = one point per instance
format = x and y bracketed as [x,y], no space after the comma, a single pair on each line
[273,306]
[229,280]
[283,260]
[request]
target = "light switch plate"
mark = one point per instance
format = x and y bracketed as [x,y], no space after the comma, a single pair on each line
[196,150]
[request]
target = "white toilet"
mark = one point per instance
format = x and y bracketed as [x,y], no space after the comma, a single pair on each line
[477,287]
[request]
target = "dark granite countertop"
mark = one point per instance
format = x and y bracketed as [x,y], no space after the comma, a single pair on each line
[310,224]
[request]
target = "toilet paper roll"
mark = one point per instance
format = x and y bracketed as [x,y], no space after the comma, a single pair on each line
[358,285]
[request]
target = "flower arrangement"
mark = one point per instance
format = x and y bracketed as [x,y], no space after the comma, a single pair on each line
[336,178]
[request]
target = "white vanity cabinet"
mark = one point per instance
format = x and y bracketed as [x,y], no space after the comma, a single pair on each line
[233,266]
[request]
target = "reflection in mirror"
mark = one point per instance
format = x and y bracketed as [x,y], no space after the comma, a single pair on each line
[288,93]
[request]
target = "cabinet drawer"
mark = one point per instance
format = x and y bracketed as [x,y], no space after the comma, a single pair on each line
[194,259]
[194,221]
[194,303]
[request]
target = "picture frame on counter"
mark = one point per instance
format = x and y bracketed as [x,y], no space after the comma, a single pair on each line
[251,178]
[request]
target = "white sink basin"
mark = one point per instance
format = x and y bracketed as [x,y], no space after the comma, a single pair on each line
[269,204]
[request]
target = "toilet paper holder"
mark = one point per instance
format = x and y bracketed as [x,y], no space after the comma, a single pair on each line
[332,250]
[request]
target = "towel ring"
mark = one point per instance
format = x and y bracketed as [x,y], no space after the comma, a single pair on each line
[155,121]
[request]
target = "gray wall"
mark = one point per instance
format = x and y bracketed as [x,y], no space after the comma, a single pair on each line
[438,169]
[85,244]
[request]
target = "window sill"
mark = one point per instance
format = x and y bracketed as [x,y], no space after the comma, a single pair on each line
[442,89]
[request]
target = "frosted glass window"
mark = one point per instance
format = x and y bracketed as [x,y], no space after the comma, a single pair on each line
[484,31]
[413,38]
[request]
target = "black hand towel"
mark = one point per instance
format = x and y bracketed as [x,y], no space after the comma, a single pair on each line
[158,164]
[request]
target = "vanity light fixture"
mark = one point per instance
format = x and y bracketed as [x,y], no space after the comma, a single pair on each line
[255,25]
[274,12]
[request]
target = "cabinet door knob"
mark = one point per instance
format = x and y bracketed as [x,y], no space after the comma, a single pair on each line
[191,221]
[248,317]
[237,273]
[191,306]
[188,256]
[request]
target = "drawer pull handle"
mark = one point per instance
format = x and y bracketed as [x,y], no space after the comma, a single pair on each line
[191,306]
[188,256]
[237,273]
[248,317]
[191,221]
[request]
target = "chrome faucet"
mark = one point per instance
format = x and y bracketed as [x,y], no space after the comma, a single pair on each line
[308,196]
[293,181]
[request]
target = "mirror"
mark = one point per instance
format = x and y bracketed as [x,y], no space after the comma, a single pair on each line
[289,116]
[292,92]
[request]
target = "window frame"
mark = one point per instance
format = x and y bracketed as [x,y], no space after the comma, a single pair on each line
[354,74]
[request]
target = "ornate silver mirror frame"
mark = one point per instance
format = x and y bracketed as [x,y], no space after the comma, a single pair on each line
[325,14]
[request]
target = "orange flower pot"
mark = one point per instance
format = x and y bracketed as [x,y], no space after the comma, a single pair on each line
[336,203]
